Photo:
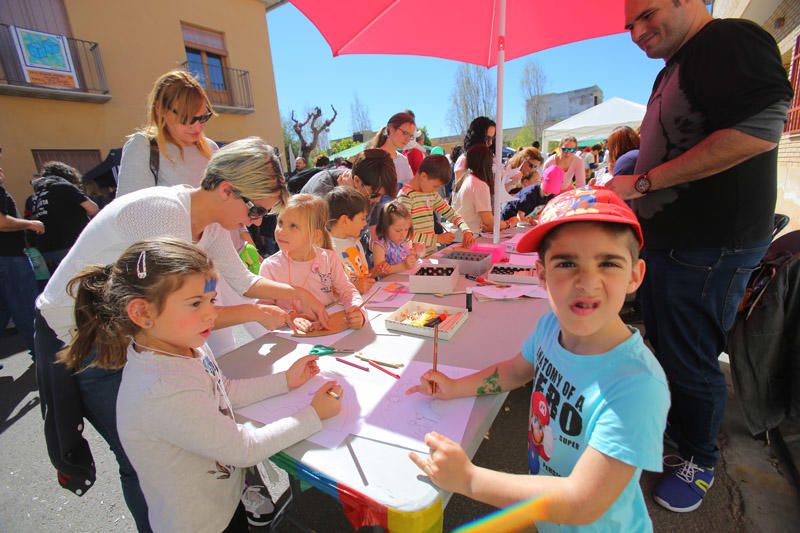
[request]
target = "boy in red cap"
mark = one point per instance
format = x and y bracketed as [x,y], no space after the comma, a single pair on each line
[600,399]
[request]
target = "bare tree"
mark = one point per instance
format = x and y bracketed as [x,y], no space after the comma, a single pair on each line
[474,95]
[310,126]
[359,116]
[532,86]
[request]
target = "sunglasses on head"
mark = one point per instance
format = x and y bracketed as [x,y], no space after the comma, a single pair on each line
[254,212]
[202,119]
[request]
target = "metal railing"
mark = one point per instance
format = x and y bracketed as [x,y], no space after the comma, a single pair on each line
[227,88]
[88,64]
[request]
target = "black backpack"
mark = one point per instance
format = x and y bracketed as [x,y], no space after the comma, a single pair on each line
[299,180]
[154,160]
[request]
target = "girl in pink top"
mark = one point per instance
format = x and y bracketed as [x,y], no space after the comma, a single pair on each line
[572,165]
[306,260]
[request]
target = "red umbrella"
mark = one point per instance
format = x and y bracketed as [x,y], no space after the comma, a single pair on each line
[481,32]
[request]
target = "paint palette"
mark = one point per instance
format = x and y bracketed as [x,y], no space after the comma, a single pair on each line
[513,274]
[473,263]
[434,278]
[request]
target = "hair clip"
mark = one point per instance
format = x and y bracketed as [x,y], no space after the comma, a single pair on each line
[141,265]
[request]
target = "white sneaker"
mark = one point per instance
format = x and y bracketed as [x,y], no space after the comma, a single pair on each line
[258,505]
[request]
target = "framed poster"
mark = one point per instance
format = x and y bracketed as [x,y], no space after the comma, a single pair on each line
[45,58]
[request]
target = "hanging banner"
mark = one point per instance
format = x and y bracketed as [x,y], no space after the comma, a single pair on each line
[45,58]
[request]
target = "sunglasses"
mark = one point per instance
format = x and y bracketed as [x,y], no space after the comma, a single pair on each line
[202,119]
[569,150]
[254,211]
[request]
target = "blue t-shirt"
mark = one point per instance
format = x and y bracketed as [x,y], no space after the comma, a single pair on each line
[616,402]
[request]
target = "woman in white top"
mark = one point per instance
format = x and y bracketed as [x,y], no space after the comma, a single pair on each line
[177,111]
[472,198]
[394,136]
[571,164]
[242,182]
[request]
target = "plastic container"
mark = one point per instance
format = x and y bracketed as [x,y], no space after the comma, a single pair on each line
[513,274]
[498,250]
[456,316]
[469,262]
[437,278]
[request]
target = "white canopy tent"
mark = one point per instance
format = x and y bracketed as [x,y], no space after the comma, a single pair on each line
[596,122]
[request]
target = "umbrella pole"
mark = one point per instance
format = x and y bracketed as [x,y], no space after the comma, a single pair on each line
[498,156]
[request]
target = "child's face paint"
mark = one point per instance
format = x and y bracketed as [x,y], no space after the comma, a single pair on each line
[210,284]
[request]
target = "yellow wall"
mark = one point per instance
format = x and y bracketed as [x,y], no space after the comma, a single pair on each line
[139,41]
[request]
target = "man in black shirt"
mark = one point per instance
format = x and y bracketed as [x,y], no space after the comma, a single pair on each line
[61,206]
[704,190]
[18,287]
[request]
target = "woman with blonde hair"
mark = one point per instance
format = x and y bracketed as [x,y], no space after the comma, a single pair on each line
[241,184]
[171,148]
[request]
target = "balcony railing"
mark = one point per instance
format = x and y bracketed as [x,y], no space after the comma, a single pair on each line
[88,65]
[227,88]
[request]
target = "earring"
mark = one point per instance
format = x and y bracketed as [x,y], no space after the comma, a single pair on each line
[148,323]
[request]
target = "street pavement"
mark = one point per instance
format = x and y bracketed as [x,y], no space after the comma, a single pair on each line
[751,492]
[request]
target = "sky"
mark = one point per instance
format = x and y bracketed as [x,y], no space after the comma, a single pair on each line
[307,75]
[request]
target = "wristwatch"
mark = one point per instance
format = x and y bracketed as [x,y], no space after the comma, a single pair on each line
[643,184]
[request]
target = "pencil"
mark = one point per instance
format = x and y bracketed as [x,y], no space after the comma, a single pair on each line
[379,367]
[435,353]
[333,394]
[368,298]
[382,363]
[352,364]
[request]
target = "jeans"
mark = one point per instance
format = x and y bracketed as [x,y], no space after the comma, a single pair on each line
[53,258]
[689,300]
[18,292]
[99,388]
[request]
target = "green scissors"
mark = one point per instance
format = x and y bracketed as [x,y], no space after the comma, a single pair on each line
[321,349]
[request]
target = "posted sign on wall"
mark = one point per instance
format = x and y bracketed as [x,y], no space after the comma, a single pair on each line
[45,58]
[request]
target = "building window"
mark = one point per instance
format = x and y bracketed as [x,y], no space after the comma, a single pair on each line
[83,160]
[793,123]
[207,61]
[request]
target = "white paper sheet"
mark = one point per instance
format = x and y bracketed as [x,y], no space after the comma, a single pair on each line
[374,404]
[508,293]
[389,295]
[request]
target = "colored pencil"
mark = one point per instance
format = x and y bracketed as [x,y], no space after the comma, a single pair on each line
[368,298]
[379,367]
[352,364]
[333,394]
[435,354]
[382,363]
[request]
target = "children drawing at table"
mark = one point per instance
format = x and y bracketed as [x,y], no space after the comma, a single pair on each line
[306,260]
[421,198]
[600,399]
[348,216]
[152,312]
[392,249]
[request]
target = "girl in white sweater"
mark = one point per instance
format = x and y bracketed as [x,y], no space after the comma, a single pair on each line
[154,308]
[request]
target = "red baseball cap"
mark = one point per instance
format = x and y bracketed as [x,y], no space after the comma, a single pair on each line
[587,203]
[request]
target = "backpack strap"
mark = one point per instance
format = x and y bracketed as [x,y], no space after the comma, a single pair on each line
[154,160]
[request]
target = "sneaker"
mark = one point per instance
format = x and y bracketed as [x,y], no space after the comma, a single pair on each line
[683,485]
[258,505]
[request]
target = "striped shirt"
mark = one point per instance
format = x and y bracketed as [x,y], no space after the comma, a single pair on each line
[422,205]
